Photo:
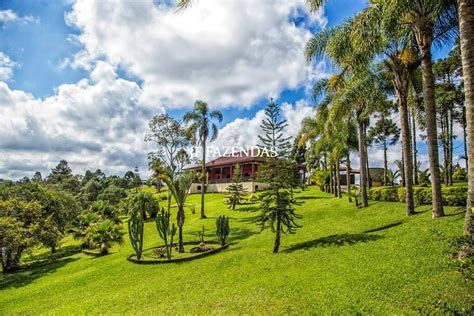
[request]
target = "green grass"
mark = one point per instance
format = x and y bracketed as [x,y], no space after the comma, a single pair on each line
[343,260]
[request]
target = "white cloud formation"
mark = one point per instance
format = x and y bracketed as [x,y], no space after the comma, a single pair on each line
[225,52]
[7,16]
[6,67]
[244,132]
[94,123]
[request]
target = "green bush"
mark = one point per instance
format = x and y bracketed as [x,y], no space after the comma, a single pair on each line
[452,196]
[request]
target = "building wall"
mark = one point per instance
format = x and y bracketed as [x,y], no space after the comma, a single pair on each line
[250,186]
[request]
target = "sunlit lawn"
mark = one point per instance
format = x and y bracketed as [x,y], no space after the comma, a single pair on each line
[343,260]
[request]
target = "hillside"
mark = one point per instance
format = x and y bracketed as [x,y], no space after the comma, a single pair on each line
[342,259]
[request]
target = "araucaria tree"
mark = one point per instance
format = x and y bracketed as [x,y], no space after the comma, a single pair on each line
[201,124]
[276,202]
[385,132]
[235,190]
[272,127]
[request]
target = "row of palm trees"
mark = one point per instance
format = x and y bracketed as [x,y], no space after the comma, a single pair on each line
[391,39]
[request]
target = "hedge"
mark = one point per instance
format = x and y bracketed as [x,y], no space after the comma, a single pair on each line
[452,196]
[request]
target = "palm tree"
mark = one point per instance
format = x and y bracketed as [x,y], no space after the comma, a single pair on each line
[431,21]
[466,29]
[179,185]
[376,32]
[200,120]
[104,234]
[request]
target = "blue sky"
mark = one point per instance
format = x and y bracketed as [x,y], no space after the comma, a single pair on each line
[66,55]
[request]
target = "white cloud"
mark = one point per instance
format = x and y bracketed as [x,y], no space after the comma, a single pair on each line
[94,123]
[6,67]
[244,131]
[10,16]
[226,52]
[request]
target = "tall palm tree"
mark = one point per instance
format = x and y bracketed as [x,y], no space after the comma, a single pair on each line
[466,29]
[378,33]
[431,21]
[200,120]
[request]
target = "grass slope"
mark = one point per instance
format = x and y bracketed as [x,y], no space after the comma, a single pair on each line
[343,260]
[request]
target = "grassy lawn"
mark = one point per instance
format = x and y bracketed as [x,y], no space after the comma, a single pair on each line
[343,260]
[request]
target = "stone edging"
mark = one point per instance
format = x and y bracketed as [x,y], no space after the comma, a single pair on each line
[197,256]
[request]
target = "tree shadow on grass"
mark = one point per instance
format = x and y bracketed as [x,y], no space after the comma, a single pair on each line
[247,208]
[384,227]
[337,240]
[251,220]
[28,274]
[47,256]
[312,197]
[238,234]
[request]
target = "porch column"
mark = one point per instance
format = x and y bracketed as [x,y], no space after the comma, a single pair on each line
[220,179]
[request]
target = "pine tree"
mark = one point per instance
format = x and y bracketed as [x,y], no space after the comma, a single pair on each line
[272,126]
[276,202]
[235,190]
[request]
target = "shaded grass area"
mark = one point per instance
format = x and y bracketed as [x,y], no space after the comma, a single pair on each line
[343,260]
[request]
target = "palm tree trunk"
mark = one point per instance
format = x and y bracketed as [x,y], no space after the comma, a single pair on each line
[204,177]
[331,180]
[348,174]
[180,222]
[451,119]
[415,150]
[363,164]
[385,164]
[464,133]
[402,88]
[338,179]
[466,29]
[424,39]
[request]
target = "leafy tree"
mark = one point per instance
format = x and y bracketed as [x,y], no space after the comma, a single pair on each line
[59,209]
[105,210]
[202,126]
[37,177]
[298,151]
[59,173]
[276,202]
[171,137]
[18,230]
[235,190]
[272,127]
[91,191]
[112,194]
[103,234]
[385,132]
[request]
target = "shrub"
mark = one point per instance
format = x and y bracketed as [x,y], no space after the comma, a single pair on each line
[452,196]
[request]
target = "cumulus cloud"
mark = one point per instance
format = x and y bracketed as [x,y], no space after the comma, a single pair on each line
[244,132]
[7,16]
[95,123]
[224,51]
[6,67]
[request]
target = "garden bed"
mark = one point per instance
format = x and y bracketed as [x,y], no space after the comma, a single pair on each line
[178,257]
[91,253]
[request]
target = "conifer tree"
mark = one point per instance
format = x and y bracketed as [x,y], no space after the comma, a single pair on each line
[272,126]
[235,190]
